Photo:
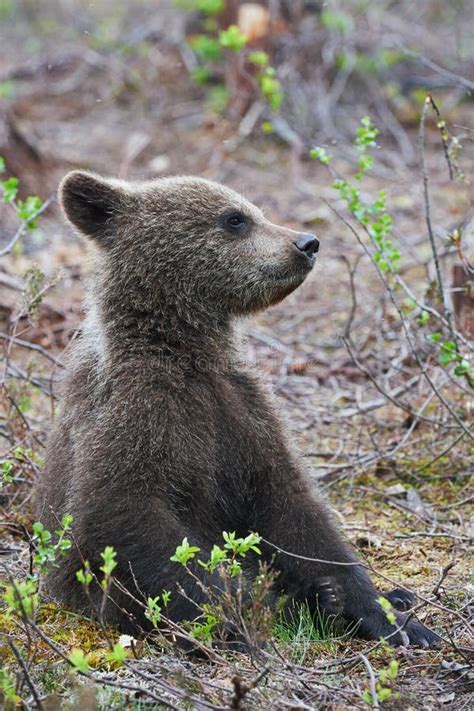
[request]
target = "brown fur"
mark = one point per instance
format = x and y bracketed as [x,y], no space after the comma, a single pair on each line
[164,431]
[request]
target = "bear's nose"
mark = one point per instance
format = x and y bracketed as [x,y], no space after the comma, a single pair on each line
[307,243]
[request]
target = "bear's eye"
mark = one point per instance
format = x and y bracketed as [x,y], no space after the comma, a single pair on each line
[235,221]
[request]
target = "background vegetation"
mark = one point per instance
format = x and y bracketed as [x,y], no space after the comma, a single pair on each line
[348,118]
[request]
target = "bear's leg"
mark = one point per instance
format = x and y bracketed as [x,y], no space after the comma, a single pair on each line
[301,539]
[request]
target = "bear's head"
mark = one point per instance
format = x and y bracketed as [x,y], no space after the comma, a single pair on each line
[187,243]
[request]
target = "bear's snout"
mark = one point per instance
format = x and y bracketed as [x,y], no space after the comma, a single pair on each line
[308,245]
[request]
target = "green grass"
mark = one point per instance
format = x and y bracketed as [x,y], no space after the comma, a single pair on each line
[304,633]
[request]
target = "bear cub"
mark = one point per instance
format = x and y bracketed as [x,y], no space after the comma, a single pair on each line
[164,432]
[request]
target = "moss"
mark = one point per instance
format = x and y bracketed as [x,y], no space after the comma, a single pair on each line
[70,630]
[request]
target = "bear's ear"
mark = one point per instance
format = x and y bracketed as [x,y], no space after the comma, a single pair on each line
[91,203]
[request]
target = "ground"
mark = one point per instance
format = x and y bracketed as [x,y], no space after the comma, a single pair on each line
[382,425]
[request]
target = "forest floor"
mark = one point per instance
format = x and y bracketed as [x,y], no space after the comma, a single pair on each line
[400,492]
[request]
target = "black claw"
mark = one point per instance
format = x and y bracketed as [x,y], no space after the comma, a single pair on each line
[375,625]
[329,596]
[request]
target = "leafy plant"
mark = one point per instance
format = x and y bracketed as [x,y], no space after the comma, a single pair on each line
[27,210]
[6,468]
[21,597]
[47,548]
[117,655]
[207,7]
[184,552]
[79,660]
[7,690]
[226,560]
[108,555]
[377,222]
[372,216]
[84,575]
[204,629]
[155,606]
[211,49]
[386,677]
[387,607]
[232,39]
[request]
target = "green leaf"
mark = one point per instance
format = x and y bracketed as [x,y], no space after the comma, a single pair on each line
[66,522]
[449,346]
[387,607]
[218,555]
[28,209]
[271,88]
[218,98]
[10,189]
[232,38]
[165,597]
[204,630]
[184,552]
[79,660]
[260,59]
[210,7]
[446,358]
[463,368]
[319,153]
[393,668]
[267,127]
[383,693]
[117,655]
[6,468]
[153,611]
[423,318]
[448,353]
[84,575]
[367,697]
[22,596]
[201,75]
[7,688]
[108,556]
[206,47]
[339,21]
[235,568]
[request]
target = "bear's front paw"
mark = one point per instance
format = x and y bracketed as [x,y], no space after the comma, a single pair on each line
[401,599]
[330,596]
[376,625]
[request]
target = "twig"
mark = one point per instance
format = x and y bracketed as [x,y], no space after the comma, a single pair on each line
[100,680]
[443,576]
[442,453]
[28,679]
[462,81]
[241,689]
[428,534]
[31,347]
[372,681]
[313,560]
[22,226]
[375,404]
[352,270]
[457,504]
[414,350]
[426,197]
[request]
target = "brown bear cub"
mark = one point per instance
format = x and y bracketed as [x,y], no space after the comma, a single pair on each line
[164,432]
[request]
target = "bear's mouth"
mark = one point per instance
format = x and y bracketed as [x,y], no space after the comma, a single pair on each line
[297,271]
[280,283]
[305,262]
